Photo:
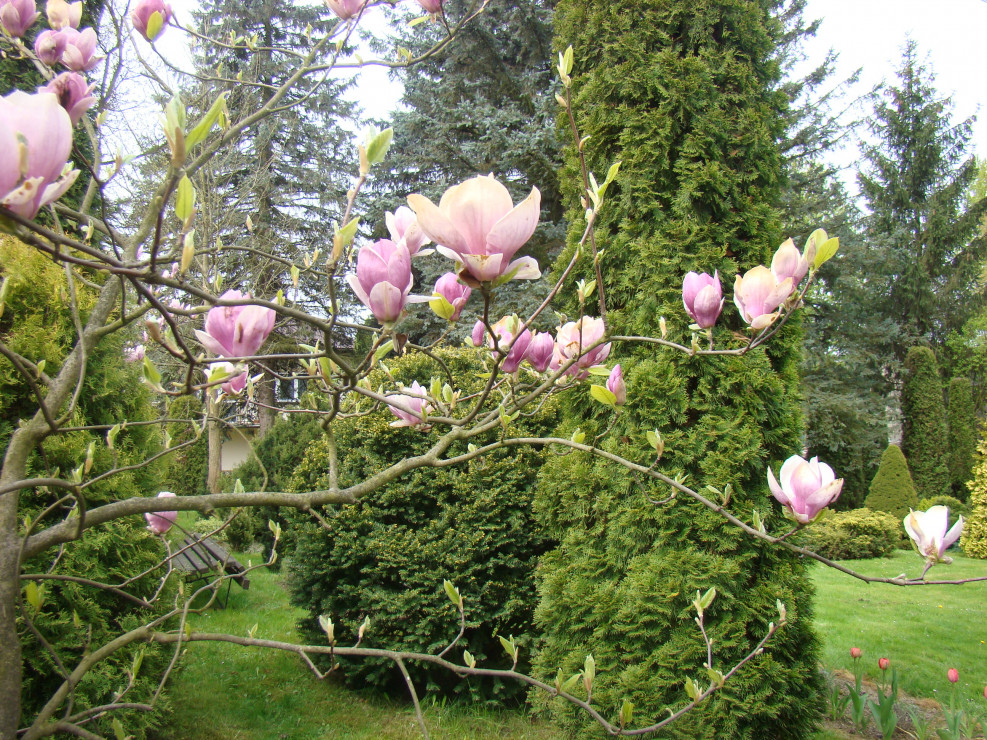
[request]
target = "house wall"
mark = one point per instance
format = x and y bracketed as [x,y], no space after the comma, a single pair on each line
[236,447]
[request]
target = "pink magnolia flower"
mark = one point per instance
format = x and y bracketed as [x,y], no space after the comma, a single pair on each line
[410,407]
[788,262]
[63,15]
[142,14]
[37,174]
[510,335]
[883,663]
[477,334]
[931,534]
[854,652]
[73,93]
[477,224]
[161,522]
[616,385]
[403,227]
[80,49]
[702,297]
[49,46]
[953,675]
[345,9]
[573,342]
[383,280]
[807,487]
[540,351]
[235,385]
[758,294]
[134,354]
[16,16]
[236,331]
[431,6]
[450,297]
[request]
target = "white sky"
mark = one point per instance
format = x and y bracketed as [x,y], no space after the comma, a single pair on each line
[950,35]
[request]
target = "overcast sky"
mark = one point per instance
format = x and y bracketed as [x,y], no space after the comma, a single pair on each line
[950,34]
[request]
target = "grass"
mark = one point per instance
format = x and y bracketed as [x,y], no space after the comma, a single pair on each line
[227,692]
[922,630]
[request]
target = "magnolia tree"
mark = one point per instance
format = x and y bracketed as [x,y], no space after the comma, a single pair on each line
[151,276]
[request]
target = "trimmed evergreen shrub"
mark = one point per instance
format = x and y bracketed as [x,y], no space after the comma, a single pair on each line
[892,489]
[853,535]
[188,466]
[684,95]
[74,618]
[925,441]
[962,435]
[974,539]
[386,557]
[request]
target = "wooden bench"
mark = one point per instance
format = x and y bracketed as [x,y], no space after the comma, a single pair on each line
[200,558]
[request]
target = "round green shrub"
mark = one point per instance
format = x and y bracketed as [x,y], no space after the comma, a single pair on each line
[853,535]
[956,507]
[892,489]
[386,557]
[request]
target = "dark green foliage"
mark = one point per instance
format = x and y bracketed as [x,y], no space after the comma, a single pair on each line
[188,466]
[956,507]
[483,104]
[684,95]
[962,422]
[925,441]
[892,489]
[853,535]
[76,618]
[921,228]
[386,557]
[271,467]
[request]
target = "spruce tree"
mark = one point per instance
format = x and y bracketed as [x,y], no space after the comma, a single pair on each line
[685,96]
[925,441]
[962,435]
[892,489]
[484,104]
[925,249]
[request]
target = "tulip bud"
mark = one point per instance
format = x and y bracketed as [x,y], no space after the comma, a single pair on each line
[953,675]
[883,663]
[854,652]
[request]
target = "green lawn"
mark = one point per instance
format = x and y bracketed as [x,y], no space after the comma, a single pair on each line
[227,692]
[923,630]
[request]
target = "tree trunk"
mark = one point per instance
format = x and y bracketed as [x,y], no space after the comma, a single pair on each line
[215,436]
[266,412]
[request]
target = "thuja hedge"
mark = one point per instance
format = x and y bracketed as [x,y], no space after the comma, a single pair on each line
[75,619]
[974,539]
[854,535]
[685,95]
[892,489]
[386,557]
[925,441]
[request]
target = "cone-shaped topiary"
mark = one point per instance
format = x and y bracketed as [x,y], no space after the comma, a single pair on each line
[962,435]
[892,489]
[683,95]
[974,539]
[925,441]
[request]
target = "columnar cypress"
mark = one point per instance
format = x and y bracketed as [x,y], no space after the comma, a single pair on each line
[925,441]
[684,95]
[962,434]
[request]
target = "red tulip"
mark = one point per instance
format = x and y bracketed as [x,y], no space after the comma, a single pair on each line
[883,663]
[854,652]
[953,675]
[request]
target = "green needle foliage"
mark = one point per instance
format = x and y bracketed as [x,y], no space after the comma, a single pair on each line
[892,489]
[962,434]
[685,96]
[925,441]
[974,539]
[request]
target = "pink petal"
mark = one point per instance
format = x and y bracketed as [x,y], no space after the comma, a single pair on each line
[436,225]
[512,231]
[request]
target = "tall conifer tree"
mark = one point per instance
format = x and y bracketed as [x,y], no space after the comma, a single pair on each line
[686,96]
